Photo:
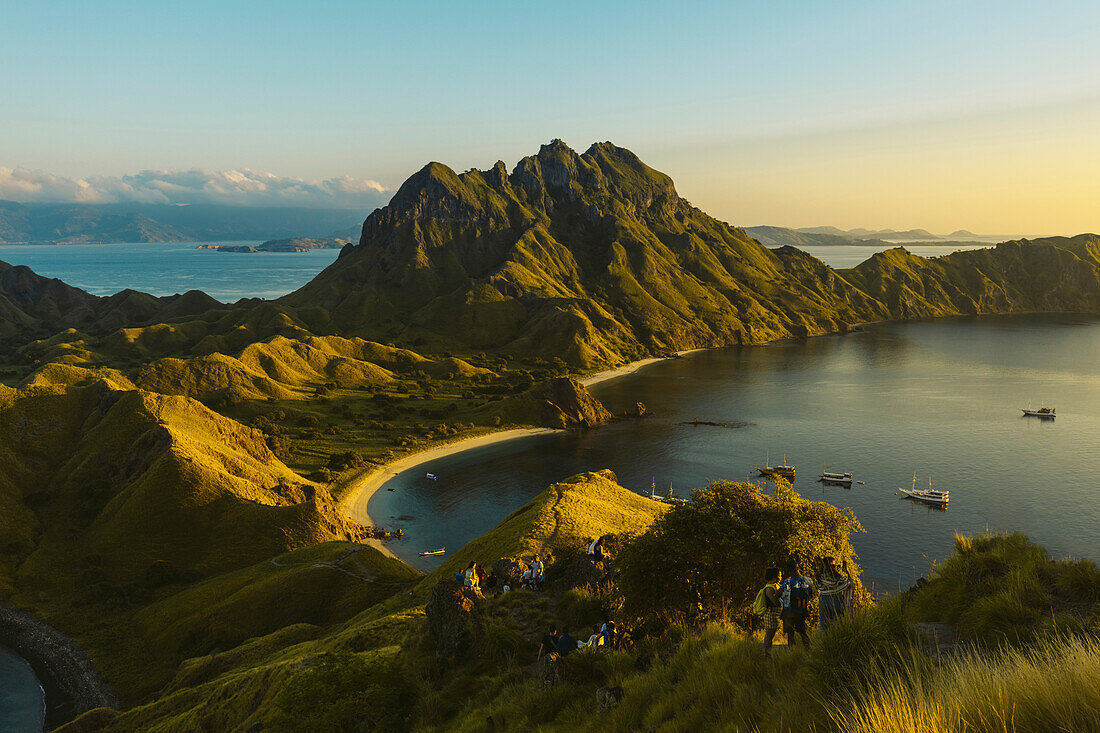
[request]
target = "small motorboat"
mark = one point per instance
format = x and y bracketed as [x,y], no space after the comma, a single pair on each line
[427,553]
[928,496]
[836,479]
[1043,412]
[430,476]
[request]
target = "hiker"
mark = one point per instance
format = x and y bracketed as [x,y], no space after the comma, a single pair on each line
[767,605]
[549,644]
[536,572]
[610,638]
[470,579]
[480,575]
[595,550]
[525,581]
[594,639]
[835,585]
[796,592]
[492,582]
[566,644]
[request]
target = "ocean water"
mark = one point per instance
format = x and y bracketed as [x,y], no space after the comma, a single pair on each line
[939,398]
[22,703]
[165,269]
[845,256]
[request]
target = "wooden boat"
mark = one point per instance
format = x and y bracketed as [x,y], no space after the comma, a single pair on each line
[426,553]
[838,479]
[928,496]
[1044,412]
[784,471]
[669,498]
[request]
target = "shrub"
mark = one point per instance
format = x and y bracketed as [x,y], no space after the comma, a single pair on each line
[579,608]
[706,558]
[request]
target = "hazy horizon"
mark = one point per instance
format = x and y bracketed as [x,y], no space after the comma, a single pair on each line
[891,115]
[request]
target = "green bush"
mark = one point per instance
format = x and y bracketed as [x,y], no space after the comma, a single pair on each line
[580,609]
[706,559]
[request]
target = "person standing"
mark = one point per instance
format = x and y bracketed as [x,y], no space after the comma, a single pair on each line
[796,591]
[835,585]
[769,604]
[566,644]
[549,643]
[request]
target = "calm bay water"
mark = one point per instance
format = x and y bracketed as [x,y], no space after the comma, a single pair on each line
[22,705]
[165,269]
[939,398]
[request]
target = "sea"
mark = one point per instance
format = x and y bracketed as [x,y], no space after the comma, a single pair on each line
[937,400]
[22,702]
[166,269]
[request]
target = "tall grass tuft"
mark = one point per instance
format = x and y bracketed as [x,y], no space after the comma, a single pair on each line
[1053,686]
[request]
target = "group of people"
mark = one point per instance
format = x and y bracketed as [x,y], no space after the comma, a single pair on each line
[563,644]
[475,576]
[786,598]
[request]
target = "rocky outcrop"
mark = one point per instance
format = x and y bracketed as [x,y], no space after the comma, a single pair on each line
[556,403]
[73,685]
[455,619]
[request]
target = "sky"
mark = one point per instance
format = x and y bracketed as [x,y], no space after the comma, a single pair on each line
[940,115]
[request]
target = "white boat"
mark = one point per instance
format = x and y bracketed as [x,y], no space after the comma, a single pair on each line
[925,496]
[839,479]
[1045,412]
[430,476]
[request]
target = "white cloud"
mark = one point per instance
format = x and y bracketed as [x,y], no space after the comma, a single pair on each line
[233,187]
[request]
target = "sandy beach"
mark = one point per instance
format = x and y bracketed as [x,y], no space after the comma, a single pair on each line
[358,495]
[362,488]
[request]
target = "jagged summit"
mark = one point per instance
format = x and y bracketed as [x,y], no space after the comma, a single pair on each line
[594,258]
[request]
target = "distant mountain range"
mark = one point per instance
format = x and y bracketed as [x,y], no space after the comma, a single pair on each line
[81,223]
[771,236]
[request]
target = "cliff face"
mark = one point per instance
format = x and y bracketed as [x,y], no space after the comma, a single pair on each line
[595,258]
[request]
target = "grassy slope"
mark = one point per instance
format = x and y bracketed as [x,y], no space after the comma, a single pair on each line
[237,691]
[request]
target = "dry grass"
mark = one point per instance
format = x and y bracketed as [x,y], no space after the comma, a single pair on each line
[1054,686]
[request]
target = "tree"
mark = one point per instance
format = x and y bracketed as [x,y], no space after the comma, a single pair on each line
[707,558]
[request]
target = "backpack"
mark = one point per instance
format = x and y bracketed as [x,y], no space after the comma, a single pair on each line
[800,596]
[760,606]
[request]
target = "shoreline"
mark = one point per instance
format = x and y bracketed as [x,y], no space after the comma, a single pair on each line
[70,682]
[360,489]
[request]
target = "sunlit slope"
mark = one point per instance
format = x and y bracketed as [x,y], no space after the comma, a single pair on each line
[566,516]
[1055,274]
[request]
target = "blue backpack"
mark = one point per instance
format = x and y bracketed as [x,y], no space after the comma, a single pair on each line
[800,594]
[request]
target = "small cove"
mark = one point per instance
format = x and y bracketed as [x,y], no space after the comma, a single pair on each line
[939,397]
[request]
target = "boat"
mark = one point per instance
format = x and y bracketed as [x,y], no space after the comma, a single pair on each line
[669,498]
[784,471]
[1044,412]
[837,479]
[430,476]
[928,496]
[426,553]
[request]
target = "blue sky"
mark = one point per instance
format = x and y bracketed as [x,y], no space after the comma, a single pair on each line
[934,114]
